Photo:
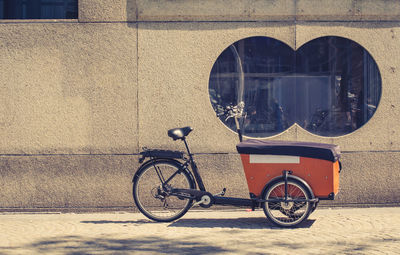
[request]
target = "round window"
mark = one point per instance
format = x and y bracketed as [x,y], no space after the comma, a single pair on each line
[330,86]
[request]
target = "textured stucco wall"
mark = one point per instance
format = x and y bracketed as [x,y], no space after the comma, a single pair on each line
[57,181]
[101,181]
[79,98]
[238,10]
[68,88]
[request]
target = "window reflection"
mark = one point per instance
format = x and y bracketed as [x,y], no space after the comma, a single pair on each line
[38,9]
[331,86]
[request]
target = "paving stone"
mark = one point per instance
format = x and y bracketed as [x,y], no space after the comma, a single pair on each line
[327,231]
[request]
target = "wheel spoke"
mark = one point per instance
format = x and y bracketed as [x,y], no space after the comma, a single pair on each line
[153,200]
[288,213]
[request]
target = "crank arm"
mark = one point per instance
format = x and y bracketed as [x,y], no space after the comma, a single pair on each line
[202,200]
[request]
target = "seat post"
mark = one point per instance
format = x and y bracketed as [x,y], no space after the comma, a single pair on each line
[187,147]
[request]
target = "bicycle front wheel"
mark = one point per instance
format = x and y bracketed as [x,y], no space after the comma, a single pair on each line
[150,195]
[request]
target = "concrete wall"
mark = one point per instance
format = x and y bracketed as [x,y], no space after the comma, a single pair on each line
[79,98]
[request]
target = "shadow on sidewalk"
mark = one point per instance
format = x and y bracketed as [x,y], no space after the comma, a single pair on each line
[241,223]
[137,222]
[85,245]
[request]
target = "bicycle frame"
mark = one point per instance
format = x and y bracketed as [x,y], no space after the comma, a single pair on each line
[253,202]
[195,170]
[188,161]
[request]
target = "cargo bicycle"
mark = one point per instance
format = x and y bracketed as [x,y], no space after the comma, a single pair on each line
[286,179]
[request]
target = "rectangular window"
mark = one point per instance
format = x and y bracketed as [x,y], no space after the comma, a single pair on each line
[38,9]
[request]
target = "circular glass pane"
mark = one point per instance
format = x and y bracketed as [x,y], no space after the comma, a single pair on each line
[330,86]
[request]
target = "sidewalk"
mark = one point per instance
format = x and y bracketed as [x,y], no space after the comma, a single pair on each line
[328,231]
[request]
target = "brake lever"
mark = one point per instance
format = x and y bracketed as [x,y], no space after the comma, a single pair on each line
[230,116]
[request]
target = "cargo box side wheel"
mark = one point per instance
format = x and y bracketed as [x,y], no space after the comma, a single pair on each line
[287,211]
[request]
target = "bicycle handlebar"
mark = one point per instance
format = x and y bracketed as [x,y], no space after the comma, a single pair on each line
[231,111]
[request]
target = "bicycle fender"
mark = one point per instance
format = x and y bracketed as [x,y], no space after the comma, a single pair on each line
[290,177]
[156,153]
[155,160]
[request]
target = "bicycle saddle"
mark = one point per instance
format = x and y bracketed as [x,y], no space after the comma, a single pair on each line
[179,133]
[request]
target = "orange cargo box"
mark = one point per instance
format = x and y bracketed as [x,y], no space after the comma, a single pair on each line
[315,163]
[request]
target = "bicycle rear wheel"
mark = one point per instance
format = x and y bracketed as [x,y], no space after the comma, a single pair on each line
[153,200]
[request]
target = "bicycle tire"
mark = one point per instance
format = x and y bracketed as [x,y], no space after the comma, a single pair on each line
[149,197]
[287,214]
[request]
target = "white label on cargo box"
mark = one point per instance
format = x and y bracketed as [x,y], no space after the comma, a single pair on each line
[274,159]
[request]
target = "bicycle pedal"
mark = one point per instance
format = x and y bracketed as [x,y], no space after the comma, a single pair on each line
[221,193]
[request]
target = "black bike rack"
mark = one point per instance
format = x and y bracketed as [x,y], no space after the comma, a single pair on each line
[147,153]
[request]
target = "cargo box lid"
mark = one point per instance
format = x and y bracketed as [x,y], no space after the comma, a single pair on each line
[302,149]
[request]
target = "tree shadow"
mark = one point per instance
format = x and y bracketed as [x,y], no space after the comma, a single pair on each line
[85,245]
